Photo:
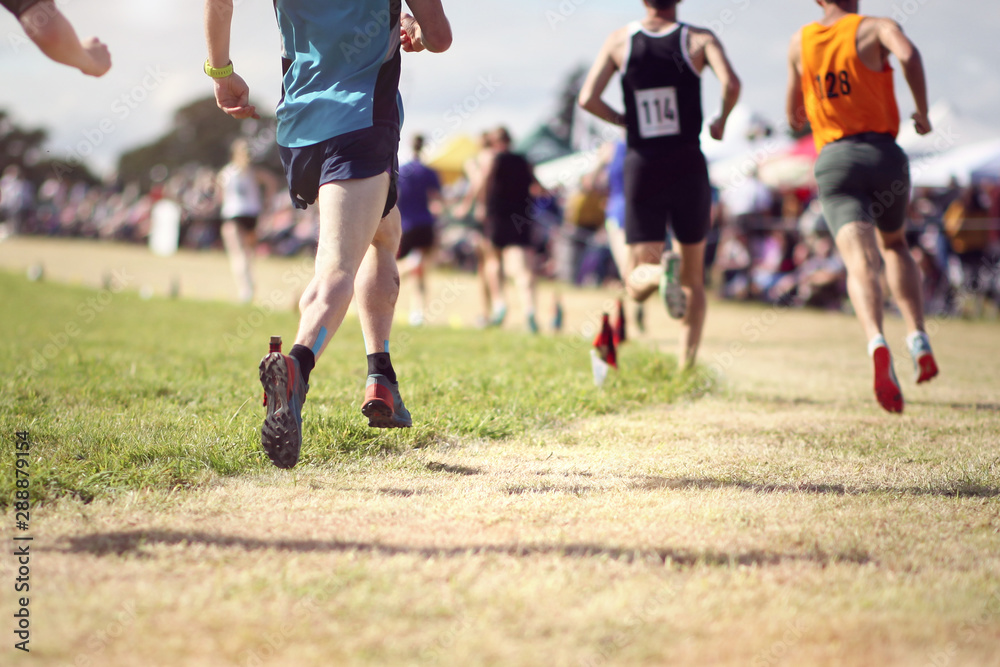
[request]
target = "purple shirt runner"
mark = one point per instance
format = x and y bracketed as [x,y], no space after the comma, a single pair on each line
[416,182]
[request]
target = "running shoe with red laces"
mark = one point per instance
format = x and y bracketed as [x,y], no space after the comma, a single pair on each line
[383,405]
[924,366]
[284,394]
[887,390]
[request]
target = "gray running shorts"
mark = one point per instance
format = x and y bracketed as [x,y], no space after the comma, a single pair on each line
[863,178]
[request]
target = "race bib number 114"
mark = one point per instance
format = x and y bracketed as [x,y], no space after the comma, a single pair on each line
[657,110]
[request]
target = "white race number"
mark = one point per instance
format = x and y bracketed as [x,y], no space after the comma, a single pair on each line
[657,110]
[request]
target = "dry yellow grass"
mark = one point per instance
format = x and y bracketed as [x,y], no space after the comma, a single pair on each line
[783,521]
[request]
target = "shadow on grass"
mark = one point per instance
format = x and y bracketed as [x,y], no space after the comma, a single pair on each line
[955,490]
[434,466]
[804,400]
[133,543]
[980,407]
[576,489]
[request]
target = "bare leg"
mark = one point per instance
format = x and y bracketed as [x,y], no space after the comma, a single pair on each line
[693,284]
[414,268]
[377,284]
[522,262]
[420,284]
[642,274]
[239,245]
[619,251]
[349,215]
[859,250]
[484,284]
[903,276]
[493,270]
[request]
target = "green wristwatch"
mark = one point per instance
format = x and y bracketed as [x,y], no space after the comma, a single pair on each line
[218,72]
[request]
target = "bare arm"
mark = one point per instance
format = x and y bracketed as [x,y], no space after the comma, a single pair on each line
[483,184]
[435,202]
[597,80]
[892,38]
[428,28]
[55,36]
[232,94]
[716,58]
[795,105]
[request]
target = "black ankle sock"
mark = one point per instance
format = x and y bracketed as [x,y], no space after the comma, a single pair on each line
[379,364]
[306,359]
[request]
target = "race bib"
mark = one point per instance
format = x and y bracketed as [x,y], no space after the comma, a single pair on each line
[657,111]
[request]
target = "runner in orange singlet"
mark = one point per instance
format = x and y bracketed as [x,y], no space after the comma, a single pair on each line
[840,80]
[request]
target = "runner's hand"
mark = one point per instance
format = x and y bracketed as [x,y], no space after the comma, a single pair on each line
[717,128]
[232,94]
[100,57]
[921,123]
[409,34]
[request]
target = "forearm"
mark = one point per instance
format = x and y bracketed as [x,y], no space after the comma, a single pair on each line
[600,108]
[795,111]
[432,30]
[55,36]
[218,25]
[435,37]
[913,70]
[730,95]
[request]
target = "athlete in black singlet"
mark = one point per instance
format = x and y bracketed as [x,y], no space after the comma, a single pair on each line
[666,177]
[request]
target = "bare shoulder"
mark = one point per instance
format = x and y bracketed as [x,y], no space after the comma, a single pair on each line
[795,46]
[614,45]
[796,41]
[873,27]
[616,39]
[699,38]
[618,36]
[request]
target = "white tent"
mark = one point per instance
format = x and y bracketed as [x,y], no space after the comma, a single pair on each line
[566,171]
[959,163]
[952,129]
[736,168]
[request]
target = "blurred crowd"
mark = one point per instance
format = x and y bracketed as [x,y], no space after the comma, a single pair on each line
[766,244]
[774,246]
[117,211]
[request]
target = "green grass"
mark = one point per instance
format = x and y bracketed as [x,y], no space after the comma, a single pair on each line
[120,393]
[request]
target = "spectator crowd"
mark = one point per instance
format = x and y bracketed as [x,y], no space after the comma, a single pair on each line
[766,244]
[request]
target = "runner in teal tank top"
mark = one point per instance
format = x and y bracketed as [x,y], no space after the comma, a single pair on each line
[338,133]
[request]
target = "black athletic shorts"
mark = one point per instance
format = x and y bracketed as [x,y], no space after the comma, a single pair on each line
[18,7]
[421,238]
[863,178]
[247,222]
[670,190]
[509,228]
[360,154]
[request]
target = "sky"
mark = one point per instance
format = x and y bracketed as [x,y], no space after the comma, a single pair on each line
[507,63]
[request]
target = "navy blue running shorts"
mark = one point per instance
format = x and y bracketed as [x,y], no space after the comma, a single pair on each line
[363,153]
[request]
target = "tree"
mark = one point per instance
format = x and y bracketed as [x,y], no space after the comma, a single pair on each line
[561,124]
[23,147]
[200,134]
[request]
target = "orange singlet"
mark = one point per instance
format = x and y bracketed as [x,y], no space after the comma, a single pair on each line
[842,95]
